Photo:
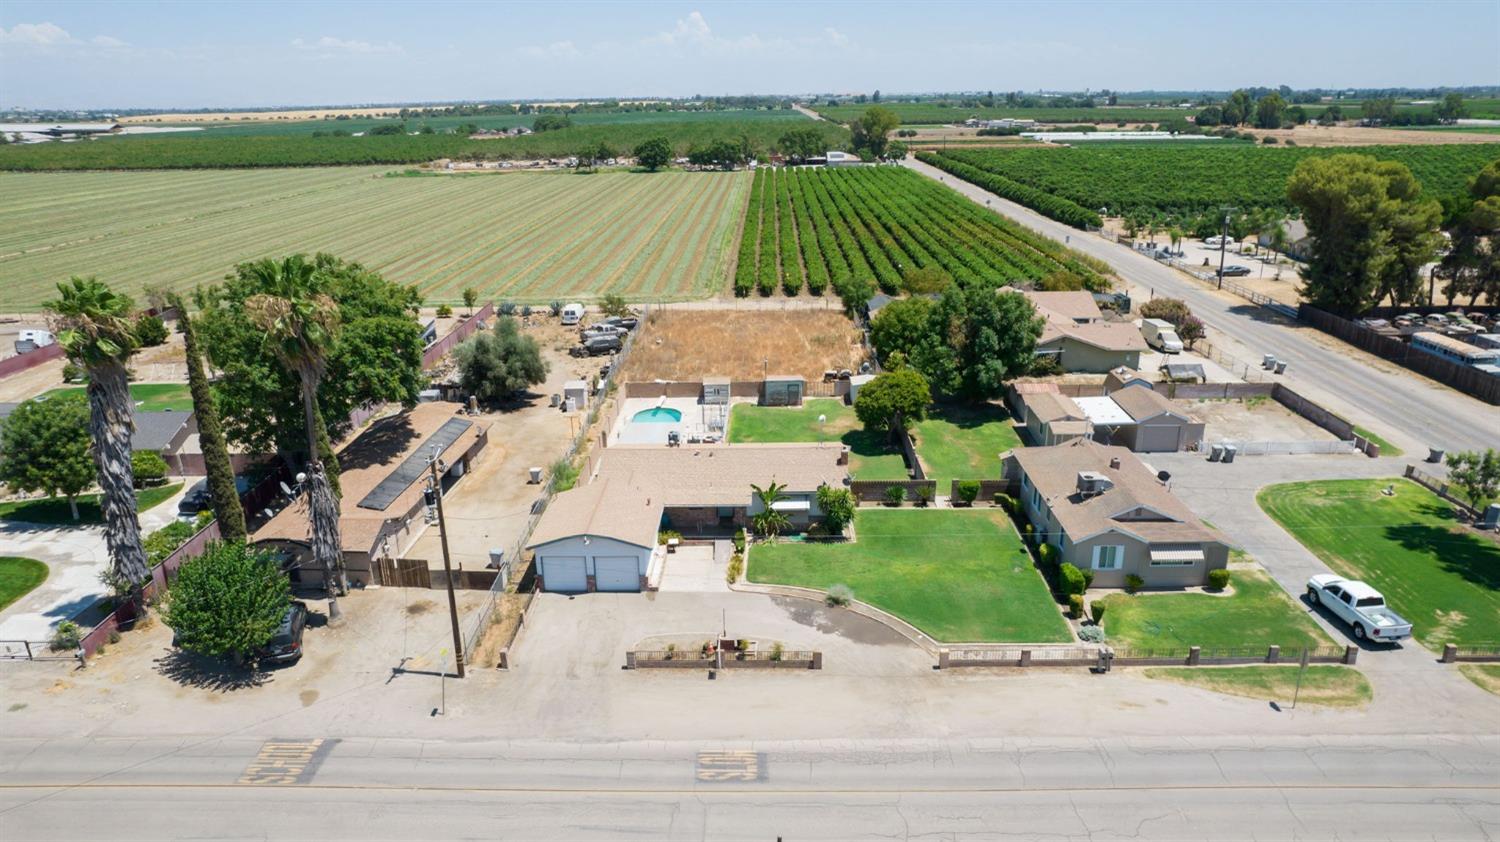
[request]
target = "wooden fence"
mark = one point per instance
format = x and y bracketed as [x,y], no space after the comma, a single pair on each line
[1470,381]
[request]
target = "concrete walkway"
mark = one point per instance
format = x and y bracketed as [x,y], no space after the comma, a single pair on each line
[1224,495]
[75,557]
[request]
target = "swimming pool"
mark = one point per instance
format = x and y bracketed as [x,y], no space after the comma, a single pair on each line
[657,415]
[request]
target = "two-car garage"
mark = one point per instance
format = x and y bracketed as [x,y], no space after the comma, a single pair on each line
[595,538]
[601,564]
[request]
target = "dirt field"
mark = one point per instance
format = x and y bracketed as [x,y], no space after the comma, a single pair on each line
[1254,420]
[1362,136]
[743,345]
[265,116]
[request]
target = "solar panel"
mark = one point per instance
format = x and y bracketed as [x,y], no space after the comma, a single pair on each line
[415,465]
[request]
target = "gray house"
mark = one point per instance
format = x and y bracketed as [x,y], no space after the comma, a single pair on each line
[1106,512]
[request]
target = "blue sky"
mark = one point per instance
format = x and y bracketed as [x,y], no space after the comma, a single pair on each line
[228,54]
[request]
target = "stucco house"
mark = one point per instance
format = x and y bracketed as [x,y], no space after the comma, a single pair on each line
[1142,420]
[1076,333]
[1107,512]
[601,536]
[1051,417]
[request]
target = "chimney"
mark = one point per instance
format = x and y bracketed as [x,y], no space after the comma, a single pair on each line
[843,456]
[1114,463]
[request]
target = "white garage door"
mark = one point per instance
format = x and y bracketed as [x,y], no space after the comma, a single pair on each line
[564,574]
[616,573]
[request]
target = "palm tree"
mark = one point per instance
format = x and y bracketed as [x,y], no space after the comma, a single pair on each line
[216,461]
[94,328]
[300,323]
[1176,235]
[768,521]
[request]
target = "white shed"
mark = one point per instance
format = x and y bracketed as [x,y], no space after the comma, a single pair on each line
[596,538]
[576,391]
[855,383]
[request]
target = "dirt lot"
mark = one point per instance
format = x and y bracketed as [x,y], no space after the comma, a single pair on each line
[1364,136]
[1255,419]
[744,345]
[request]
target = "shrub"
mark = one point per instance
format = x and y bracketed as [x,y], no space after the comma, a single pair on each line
[507,308]
[556,308]
[72,373]
[777,651]
[894,494]
[1218,579]
[1096,610]
[671,650]
[838,508]
[564,475]
[1047,555]
[1088,579]
[228,601]
[148,467]
[1070,579]
[1268,140]
[1091,634]
[1044,365]
[526,311]
[1134,583]
[444,311]
[150,331]
[736,567]
[66,636]
[968,491]
[613,304]
[1075,605]
[925,494]
[739,540]
[839,595]
[666,535]
[1006,502]
[164,541]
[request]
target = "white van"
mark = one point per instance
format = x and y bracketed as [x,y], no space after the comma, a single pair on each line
[30,339]
[1161,335]
[572,314]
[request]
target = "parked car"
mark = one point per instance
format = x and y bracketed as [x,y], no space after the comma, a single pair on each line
[1160,335]
[196,500]
[1359,605]
[1217,241]
[572,314]
[285,646]
[1236,271]
[594,346]
[602,329]
[627,322]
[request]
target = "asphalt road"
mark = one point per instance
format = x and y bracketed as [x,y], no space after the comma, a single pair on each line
[1438,787]
[1366,390]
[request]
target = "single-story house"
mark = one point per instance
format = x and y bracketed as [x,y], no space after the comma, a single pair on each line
[601,536]
[1119,378]
[383,474]
[836,158]
[1107,512]
[1143,420]
[1298,241]
[1052,417]
[1076,333]
[164,432]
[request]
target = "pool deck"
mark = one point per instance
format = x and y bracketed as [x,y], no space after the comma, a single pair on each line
[695,421]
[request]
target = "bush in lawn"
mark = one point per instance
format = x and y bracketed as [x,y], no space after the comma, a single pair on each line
[894,494]
[1075,606]
[150,331]
[228,601]
[1218,580]
[1091,634]
[1070,579]
[968,491]
[1134,583]
[903,393]
[839,595]
[149,468]
[1096,610]
[444,311]
[66,636]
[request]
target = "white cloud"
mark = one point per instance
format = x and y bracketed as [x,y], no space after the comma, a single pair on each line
[557,49]
[106,41]
[692,29]
[328,45]
[35,34]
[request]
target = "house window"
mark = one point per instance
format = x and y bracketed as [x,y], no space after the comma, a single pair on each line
[725,512]
[1109,557]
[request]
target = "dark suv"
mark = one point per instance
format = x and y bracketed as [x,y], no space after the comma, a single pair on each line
[285,646]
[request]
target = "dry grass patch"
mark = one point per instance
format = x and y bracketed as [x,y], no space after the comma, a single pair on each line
[1486,676]
[1326,686]
[743,344]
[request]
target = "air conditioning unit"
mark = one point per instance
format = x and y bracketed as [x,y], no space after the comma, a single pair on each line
[1093,483]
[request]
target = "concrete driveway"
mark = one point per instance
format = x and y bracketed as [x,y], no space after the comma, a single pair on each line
[697,569]
[75,557]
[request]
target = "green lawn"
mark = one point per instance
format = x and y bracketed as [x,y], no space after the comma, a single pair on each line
[1258,613]
[1409,547]
[18,576]
[1386,448]
[961,575]
[1326,686]
[958,442]
[54,510]
[150,397]
[1485,676]
[871,458]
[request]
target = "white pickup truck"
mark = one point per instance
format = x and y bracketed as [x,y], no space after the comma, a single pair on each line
[1359,605]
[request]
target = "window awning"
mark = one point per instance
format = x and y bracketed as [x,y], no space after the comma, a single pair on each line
[1177,554]
[791,506]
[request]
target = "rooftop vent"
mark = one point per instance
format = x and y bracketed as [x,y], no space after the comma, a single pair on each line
[1093,483]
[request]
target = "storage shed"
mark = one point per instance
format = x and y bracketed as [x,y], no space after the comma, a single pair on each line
[855,383]
[715,390]
[576,391]
[783,390]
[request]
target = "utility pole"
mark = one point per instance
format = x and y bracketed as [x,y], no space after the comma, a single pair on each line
[437,489]
[1223,242]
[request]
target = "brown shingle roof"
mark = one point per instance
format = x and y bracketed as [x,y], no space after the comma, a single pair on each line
[363,464]
[1110,336]
[1141,404]
[1052,406]
[718,475]
[1054,472]
[609,509]
[1066,305]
